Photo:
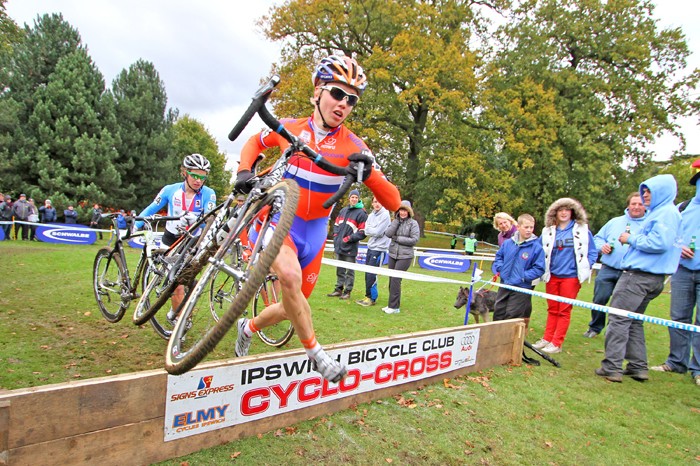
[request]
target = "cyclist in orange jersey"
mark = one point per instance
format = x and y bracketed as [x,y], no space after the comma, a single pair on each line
[339,82]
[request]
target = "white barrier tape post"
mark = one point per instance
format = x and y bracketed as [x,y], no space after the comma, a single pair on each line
[468,306]
[606,309]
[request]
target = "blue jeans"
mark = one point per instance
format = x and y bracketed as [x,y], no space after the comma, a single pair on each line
[375,259]
[625,337]
[605,283]
[685,290]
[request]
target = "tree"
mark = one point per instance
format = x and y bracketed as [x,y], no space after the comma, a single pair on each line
[146,160]
[59,147]
[418,114]
[190,136]
[71,155]
[612,81]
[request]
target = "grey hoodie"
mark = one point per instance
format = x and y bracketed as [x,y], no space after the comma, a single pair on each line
[376,224]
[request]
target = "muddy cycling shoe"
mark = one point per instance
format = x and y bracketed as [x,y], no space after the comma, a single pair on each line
[329,368]
[243,340]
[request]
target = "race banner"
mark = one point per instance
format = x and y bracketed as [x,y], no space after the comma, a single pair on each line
[65,233]
[209,399]
[444,262]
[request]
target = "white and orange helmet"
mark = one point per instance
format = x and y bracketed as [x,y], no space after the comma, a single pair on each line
[340,69]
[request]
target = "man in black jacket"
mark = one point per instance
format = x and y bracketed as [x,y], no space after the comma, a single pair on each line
[95,218]
[348,230]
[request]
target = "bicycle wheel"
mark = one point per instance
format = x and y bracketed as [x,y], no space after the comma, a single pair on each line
[154,282]
[157,286]
[203,331]
[269,293]
[110,283]
[163,272]
[222,291]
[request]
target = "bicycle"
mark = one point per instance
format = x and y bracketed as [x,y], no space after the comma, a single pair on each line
[113,285]
[224,287]
[264,221]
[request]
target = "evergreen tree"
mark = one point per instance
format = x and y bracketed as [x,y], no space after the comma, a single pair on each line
[59,147]
[146,160]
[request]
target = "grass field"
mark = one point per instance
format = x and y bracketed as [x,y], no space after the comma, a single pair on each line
[51,331]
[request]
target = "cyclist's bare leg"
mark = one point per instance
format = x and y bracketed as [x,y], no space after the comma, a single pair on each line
[177,297]
[295,307]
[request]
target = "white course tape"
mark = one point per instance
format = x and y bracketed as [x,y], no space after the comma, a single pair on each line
[539,294]
[606,309]
[57,226]
[391,273]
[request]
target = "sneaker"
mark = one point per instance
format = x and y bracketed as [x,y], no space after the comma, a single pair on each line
[590,334]
[639,376]
[335,294]
[329,368]
[697,380]
[345,296]
[552,348]
[243,340]
[365,302]
[662,368]
[171,318]
[541,343]
[391,310]
[608,375]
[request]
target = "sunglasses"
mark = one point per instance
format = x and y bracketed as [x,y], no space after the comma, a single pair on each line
[197,176]
[339,94]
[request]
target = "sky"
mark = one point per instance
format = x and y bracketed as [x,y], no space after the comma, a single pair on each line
[211,55]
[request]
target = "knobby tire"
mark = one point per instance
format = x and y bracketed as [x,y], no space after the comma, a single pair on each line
[179,361]
[147,308]
[106,260]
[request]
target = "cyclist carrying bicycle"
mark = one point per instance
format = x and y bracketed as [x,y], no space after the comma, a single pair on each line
[187,199]
[339,83]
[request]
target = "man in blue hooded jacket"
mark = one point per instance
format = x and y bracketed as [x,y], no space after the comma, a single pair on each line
[685,284]
[652,255]
[612,253]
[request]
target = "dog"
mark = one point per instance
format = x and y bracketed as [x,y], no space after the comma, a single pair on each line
[483,302]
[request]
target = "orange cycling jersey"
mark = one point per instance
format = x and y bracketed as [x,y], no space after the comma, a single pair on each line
[315,184]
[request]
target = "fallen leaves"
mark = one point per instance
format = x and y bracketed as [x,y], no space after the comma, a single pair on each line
[481,380]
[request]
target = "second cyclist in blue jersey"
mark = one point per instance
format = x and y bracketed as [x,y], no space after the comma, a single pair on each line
[187,199]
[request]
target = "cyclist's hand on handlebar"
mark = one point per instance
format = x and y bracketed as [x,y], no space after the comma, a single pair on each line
[355,160]
[186,220]
[242,179]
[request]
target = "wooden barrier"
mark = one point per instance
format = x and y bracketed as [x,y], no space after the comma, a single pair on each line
[120,419]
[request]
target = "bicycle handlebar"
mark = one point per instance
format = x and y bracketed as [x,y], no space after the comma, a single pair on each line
[258,106]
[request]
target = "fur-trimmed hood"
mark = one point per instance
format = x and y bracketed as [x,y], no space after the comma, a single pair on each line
[578,213]
[406,205]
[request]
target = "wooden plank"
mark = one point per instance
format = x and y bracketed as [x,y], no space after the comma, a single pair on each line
[109,419]
[4,431]
[61,410]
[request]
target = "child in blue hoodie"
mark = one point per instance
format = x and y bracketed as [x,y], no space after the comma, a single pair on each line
[569,255]
[653,253]
[519,262]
